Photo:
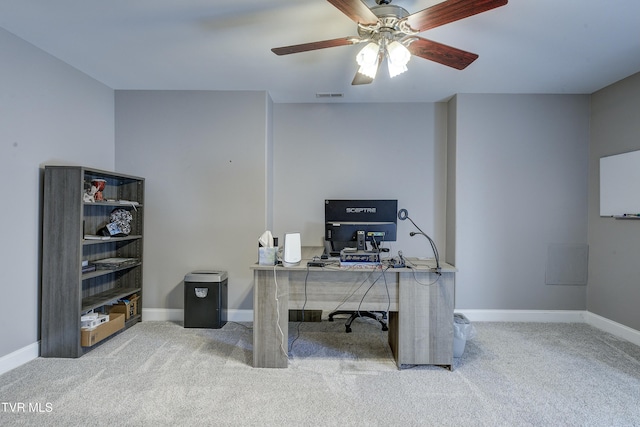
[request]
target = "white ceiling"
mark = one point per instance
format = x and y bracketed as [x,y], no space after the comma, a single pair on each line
[527,46]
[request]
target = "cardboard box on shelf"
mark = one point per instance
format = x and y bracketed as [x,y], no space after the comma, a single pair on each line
[93,336]
[129,307]
[91,320]
[133,310]
[121,307]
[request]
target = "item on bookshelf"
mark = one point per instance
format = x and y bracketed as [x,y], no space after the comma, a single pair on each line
[99,184]
[93,320]
[119,225]
[88,316]
[111,230]
[122,218]
[91,337]
[95,237]
[128,306]
[109,263]
[89,268]
[89,195]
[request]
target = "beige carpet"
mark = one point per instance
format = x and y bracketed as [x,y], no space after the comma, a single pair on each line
[158,373]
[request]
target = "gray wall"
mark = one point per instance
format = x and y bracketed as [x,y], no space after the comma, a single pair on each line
[366,151]
[521,165]
[215,178]
[50,113]
[521,186]
[204,159]
[614,264]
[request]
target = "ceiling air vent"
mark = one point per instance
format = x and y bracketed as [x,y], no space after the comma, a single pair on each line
[329,95]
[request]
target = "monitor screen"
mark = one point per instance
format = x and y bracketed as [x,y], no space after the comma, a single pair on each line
[375,219]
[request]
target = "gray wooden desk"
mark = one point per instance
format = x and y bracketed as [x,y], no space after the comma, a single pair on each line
[420,305]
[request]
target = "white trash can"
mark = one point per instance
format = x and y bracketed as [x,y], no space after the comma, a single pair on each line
[462,331]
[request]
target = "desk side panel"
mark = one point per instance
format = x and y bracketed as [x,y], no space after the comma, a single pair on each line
[270,343]
[425,319]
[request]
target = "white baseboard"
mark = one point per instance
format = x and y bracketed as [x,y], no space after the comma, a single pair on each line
[162,315]
[240,315]
[617,329]
[19,357]
[560,316]
[177,315]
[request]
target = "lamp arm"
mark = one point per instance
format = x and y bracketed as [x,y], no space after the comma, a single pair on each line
[402,215]
[433,247]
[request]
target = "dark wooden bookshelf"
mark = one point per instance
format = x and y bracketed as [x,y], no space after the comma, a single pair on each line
[67,292]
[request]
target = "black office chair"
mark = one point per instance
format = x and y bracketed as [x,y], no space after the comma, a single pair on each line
[380,316]
[333,249]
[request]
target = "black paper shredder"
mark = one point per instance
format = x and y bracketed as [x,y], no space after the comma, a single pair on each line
[205,299]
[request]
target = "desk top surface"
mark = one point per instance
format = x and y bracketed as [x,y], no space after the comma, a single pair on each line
[313,253]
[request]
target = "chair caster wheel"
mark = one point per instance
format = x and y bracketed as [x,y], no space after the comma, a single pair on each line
[385,328]
[348,329]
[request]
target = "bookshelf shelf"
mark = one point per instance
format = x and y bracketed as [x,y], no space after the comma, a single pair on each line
[98,300]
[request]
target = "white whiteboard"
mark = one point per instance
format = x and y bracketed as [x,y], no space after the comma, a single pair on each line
[620,184]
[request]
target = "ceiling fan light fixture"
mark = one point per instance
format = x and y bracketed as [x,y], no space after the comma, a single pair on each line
[397,58]
[369,71]
[368,59]
[394,70]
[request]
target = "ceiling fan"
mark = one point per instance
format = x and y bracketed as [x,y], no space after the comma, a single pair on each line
[391,32]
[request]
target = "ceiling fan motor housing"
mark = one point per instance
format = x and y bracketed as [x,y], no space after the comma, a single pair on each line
[389,26]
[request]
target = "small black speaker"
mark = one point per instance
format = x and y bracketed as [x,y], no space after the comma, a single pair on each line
[361,240]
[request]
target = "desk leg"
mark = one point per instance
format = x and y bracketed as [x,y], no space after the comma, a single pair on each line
[393,336]
[270,343]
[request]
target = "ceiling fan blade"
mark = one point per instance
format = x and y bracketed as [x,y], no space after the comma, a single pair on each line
[441,53]
[449,11]
[357,11]
[305,47]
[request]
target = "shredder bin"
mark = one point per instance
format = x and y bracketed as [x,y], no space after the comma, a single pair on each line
[205,299]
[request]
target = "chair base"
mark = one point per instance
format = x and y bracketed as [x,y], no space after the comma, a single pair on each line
[380,316]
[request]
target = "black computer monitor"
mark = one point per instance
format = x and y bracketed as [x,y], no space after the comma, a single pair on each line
[350,223]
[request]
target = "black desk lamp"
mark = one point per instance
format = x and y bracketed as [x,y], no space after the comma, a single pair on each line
[404,214]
